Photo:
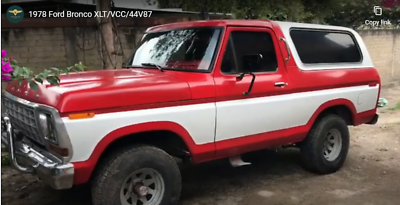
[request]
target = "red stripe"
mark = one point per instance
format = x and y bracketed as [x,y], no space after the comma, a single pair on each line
[373,84]
[220,99]
[146,106]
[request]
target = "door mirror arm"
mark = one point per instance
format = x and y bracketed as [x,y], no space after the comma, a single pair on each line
[251,84]
[252,62]
[241,76]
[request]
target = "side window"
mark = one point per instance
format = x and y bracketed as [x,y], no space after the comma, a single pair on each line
[325,47]
[228,61]
[249,43]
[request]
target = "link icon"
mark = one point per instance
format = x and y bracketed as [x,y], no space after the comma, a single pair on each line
[378,11]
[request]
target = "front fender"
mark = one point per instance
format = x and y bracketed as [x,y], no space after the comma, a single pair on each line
[199,153]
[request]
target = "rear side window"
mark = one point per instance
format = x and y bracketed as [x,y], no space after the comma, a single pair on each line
[325,47]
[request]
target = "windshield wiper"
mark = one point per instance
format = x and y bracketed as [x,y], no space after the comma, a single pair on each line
[153,65]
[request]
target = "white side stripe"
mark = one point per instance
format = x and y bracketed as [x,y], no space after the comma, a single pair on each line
[253,116]
[235,118]
[199,121]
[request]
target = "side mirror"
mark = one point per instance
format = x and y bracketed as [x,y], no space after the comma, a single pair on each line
[251,62]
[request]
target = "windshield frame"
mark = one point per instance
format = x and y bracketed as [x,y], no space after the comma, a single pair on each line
[221,30]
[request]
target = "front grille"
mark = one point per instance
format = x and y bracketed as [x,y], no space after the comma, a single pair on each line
[23,119]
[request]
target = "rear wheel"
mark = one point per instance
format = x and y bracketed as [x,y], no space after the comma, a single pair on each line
[141,175]
[326,147]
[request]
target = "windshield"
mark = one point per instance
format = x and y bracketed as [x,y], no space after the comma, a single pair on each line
[184,49]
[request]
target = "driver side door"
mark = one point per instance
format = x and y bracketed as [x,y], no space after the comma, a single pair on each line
[244,121]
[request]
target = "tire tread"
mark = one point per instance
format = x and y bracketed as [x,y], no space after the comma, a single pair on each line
[107,165]
[310,157]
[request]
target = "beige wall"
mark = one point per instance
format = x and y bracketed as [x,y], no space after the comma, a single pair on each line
[42,48]
[384,48]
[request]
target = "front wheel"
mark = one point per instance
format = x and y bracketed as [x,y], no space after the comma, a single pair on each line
[140,175]
[325,149]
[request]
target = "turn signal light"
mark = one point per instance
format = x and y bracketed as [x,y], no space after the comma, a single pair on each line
[81,116]
[61,151]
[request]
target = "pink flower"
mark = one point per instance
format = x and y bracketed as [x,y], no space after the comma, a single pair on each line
[5,77]
[6,68]
[3,53]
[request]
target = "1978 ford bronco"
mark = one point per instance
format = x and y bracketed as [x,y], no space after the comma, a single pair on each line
[197,91]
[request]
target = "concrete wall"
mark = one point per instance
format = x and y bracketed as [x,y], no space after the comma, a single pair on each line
[43,48]
[60,47]
[384,48]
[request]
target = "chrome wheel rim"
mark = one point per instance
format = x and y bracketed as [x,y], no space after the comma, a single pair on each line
[143,187]
[332,145]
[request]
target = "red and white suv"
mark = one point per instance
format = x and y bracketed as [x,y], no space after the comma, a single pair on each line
[198,91]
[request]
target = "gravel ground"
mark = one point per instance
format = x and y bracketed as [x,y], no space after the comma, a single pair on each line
[370,175]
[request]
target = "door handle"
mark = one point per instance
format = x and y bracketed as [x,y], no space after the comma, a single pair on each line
[281,84]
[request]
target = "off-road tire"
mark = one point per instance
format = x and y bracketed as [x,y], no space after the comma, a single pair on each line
[111,173]
[312,156]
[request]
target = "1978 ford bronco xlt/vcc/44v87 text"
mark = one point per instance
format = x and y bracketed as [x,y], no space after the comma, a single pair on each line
[198,91]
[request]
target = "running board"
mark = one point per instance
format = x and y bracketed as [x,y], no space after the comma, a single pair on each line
[237,161]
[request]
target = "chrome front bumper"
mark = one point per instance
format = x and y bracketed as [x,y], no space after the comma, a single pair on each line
[28,160]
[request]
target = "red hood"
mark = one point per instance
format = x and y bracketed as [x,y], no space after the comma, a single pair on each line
[92,90]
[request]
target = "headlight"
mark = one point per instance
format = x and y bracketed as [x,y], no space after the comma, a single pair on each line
[46,125]
[43,122]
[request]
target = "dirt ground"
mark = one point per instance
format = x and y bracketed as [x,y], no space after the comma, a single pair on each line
[370,175]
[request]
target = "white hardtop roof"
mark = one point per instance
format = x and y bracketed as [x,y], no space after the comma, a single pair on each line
[287,25]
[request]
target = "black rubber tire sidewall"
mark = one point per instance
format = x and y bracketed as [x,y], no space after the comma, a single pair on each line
[312,147]
[107,184]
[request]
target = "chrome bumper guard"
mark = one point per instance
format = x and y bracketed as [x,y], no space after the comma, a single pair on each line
[57,175]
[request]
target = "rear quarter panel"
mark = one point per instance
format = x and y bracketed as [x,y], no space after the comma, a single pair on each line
[358,83]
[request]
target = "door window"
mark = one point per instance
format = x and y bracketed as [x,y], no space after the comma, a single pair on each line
[245,43]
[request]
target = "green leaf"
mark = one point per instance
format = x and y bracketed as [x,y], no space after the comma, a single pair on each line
[26,72]
[55,70]
[46,73]
[17,71]
[64,71]
[21,73]
[57,78]
[39,80]
[33,85]
[79,67]
[53,80]
[41,76]
[13,62]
